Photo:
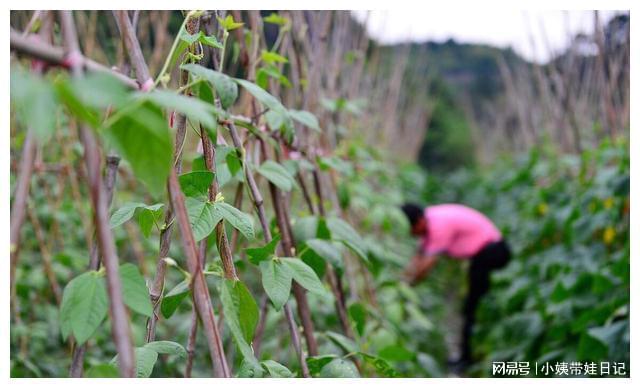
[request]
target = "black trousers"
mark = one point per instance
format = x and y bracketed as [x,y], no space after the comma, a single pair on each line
[493,256]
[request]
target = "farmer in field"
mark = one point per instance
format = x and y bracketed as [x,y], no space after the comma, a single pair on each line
[462,233]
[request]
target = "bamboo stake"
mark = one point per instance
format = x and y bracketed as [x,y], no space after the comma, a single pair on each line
[120,325]
[258,203]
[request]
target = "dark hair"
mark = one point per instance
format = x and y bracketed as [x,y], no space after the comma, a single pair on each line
[413,212]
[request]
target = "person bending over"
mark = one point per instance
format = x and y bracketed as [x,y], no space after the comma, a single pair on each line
[463,233]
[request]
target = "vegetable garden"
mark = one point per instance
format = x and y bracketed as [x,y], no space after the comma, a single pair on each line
[219,218]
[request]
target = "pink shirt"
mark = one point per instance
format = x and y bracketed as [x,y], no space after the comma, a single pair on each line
[458,231]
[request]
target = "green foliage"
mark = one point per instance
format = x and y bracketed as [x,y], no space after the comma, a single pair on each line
[256,255]
[238,219]
[134,290]
[271,57]
[102,371]
[449,144]
[241,316]
[148,215]
[306,118]
[196,183]
[261,95]
[276,281]
[173,298]
[339,368]
[202,217]
[167,347]
[277,175]
[358,314]
[205,215]
[200,37]
[195,109]
[229,24]
[343,232]
[35,101]
[225,88]
[146,356]
[304,275]
[84,306]
[328,251]
[143,127]
[276,369]
[568,284]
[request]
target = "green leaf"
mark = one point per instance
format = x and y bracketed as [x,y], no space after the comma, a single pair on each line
[276,119]
[262,78]
[224,85]
[223,172]
[276,281]
[241,316]
[305,228]
[145,360]
[205,93]
[304,275]
[358,314]
[146,218]
[84,306]
[327,250]
[149,216]
[274,18]
[102,371]
[249,369]
[614,336]
[196,183]
[381,366]
[238,219]
[134,290]
[141,135]
[167,347]
[343,342]
[173,298]
[189,38]
[35,102]
[229,24]
[276,369]
[339,368]
[317,263]
[210,41]
[342,231]
[202,216]
[100,90]
[396,353]
[181,47]
[306,118]
[338,164]
[193,108]
[244,307]
[316,363]
[277,174]
[261,95]
[271,57]
[124,214]
[76,105]
[256,255]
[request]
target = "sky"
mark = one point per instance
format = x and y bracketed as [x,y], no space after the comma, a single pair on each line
[501,28]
